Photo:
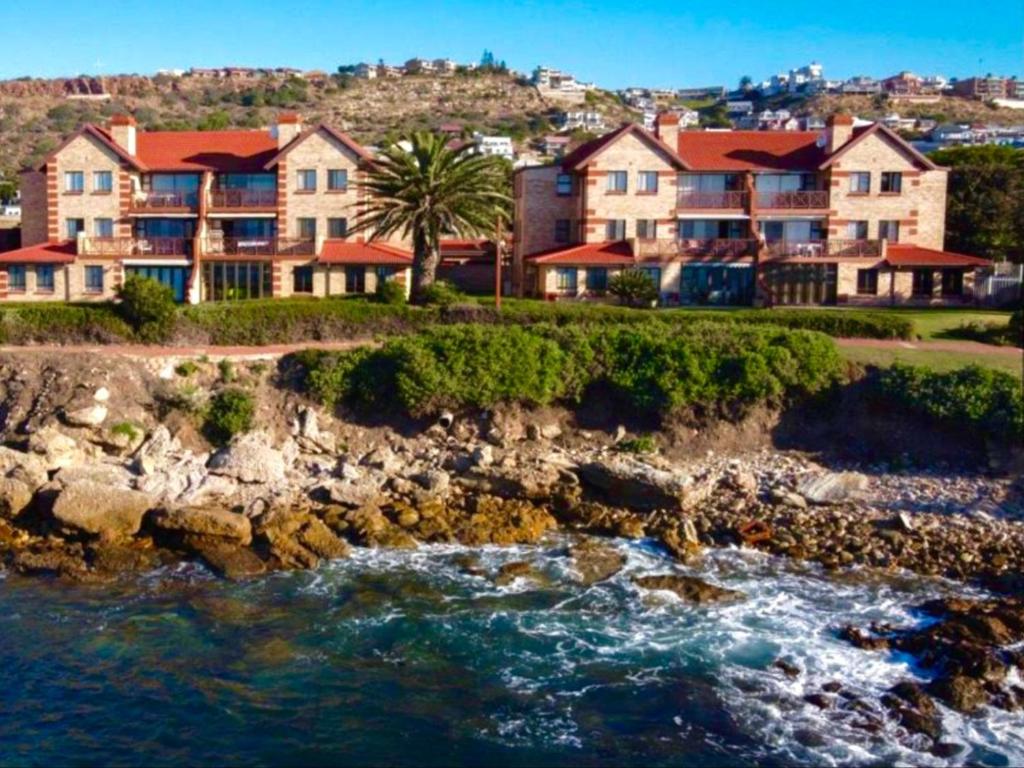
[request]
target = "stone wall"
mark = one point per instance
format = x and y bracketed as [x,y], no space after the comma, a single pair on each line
[321,153]
[87,155]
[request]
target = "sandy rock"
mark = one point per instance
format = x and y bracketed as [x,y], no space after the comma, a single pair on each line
[382,458]
[156,451]
[297,539]
[632,483]
[433,480]
[116,558]
[833,487]
[225,557]
[87,416]
[249,459]
[482,456]
[595,561]
[27,467]
[533,481]
[206,522]
[54,447]
[110,475]
[15,496]
[689,588]
[101,395]
[100,510]
[494,520]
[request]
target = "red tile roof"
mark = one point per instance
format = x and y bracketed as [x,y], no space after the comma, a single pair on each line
[584,153]
[607,254]
[916,256]
[751,150]
[373,253]
[226,151]
[41,253]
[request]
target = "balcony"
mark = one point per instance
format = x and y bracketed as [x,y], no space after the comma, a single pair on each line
[718,248]
[797,200]
[135,247]
[239,199]
[163,202]
[247,247]
[823,249]
[727,200]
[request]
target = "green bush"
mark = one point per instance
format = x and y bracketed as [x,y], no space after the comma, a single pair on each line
[390,292]
[230,413]
[186,368]
[1016,328]
[55,323]
[652,371]
[972,397]
[442,294]
[641,444]
[633,288]
[147,306]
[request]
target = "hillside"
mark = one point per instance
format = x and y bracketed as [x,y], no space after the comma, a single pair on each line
[35,114]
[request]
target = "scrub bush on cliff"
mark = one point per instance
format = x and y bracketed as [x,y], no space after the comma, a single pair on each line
[147,306]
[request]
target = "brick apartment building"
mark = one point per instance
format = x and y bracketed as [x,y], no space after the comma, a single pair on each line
[849,215]
[986,88]
[213,214]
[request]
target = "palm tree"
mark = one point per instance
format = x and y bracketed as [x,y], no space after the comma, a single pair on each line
[432,191]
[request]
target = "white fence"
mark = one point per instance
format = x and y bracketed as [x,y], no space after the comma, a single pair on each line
[1000,285]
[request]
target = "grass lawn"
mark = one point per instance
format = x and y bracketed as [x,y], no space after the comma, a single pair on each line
[936,360]
[933,324]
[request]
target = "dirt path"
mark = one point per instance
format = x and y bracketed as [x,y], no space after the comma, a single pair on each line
[934,346]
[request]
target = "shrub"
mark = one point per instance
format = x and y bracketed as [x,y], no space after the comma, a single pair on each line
[390,292]
[230,413]
[633,288]
[971,397]
[1016,328]
[227,370]
[443,294]
[126,429]
[186,368]
[640,444]
[147,306]
[62,323]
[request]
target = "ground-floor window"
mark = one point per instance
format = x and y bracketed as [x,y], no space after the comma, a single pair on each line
[302,279]
[235,280]
[923,282]
[44,277]
[94,279]
[355,279]
[801,283]
[16,277]
[867,282]
[565,279]
[597,279]
[384,274]
[952,282]
[174,278]
[716,284]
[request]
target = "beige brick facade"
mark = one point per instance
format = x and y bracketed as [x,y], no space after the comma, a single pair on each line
[85,154]
[319,153]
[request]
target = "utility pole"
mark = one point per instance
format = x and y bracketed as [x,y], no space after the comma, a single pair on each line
[499,238]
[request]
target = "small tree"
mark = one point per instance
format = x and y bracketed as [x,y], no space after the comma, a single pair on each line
[147,306]
[230,413]
[633,288]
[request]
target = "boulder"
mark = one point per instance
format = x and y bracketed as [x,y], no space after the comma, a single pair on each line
[688,588]
[962,693]
[308,434]
[15,496]
[249,459]
[55,448]
[110,475]
[110,559]
[92,415]
[493,520]
[27,467]
[433,480]
[533,481]
[632,483]
[154,453]
[99,510]
[833,487]
[225,557]
[206,522]
[595,560]
[297,539]
[382,458]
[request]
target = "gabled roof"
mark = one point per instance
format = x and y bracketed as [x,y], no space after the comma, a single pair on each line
[915,256]
[103,138]
[338,136]
[41,253]
[751,150]
[372,253]
[606,254]
[859,134]
[197,151]
[586,153]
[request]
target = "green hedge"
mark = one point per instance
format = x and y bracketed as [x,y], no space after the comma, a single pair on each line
[971,398]
[652,370]
[53,323]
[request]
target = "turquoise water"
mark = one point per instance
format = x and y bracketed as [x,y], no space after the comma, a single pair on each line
[402,658]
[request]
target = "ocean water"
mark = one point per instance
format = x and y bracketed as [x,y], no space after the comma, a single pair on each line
[402,658]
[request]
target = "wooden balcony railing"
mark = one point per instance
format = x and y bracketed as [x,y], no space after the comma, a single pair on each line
[243,198]
[824,248]
[718,248]
[729,200]
[800,200]
[258,246]
[127,247]
[163,201]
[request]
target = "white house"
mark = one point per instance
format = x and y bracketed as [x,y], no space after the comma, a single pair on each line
[495,146]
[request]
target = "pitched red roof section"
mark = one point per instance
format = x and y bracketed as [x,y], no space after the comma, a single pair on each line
[916,256]
[342,138]
[196,151]
[751,150]
[584,153]
[372,253]
[41,253]
[606,254]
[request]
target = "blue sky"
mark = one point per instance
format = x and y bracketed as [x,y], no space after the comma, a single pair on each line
[652,42]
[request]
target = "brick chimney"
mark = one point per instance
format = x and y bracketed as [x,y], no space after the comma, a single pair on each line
[838,131]
[666,128]
[122,131]
[289,125]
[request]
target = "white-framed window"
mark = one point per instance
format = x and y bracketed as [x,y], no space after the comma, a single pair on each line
[16,277]
[647,182]
[337,180]
[565,279]
[337,228]
[889,230]
[44,277]
[856,230]
[307,227]
[74,181]
[647,229]
[305,180]
[615,229]
[103,227]
[93,279]
[892,183]
[102,181]
[860,182]
[618,181]
[72,227]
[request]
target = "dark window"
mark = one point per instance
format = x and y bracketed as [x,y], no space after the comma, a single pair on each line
[302,280]
[952,282]
[236,280]
[307,228]
[94,279]
[73,227]
[562,230]
[857,230]
[565,279]
[615,229]
[16,277]
[337,228]
[860,183]
[337,180]
[867,282]
[892,182]
[385,273]
[617,181]
[306,180]
[647,229]
[563,185]
[924,282]
[597,279]
[44,277]
[889,230]
[355,279]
